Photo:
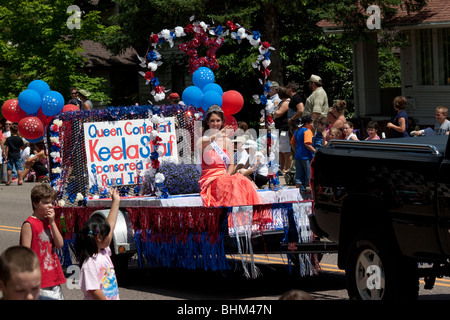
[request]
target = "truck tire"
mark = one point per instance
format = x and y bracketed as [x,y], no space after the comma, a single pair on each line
[375,270]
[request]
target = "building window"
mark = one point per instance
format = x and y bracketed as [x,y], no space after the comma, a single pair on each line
[424,54]
[444,56]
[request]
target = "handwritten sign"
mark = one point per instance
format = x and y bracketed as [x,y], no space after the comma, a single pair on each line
[117,153]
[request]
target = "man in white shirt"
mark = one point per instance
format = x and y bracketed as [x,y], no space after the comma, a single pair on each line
[7,133]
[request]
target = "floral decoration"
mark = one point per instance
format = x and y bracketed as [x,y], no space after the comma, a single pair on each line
[156,187]
[199,31]
[55,156]
[190,49]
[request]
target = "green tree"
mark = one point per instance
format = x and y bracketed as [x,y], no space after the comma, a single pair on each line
[137,19]
[390,68]
[36,43]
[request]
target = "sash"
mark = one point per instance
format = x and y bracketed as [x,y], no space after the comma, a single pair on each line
[221,153]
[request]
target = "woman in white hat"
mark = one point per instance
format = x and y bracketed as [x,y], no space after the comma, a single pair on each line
[241,155]
[84,94]
[257,171]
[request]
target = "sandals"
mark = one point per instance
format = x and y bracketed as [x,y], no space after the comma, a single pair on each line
[43,179]
[8,183]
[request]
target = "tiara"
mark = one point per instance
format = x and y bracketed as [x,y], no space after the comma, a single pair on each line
[213,108]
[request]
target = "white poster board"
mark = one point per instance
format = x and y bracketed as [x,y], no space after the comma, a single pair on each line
[118,152]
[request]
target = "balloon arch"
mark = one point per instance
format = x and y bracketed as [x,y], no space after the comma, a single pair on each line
[205,92]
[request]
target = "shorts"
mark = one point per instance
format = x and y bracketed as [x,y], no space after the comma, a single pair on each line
[285,144]
[40,169]
[14,163]
[54,292]
[260,180]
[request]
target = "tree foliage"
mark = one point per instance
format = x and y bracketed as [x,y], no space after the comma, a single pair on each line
[36,43]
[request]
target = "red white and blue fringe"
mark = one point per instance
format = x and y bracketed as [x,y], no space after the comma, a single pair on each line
[291,218]
[193,237]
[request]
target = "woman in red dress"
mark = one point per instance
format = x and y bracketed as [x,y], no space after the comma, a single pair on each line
[218,185]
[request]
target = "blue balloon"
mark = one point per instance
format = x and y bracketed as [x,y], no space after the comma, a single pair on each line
[52,103]
[202,76]
[209,98]
[192,95]
[29,101]
[40,86]
[213,87]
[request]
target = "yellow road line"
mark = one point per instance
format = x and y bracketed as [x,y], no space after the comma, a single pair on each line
[8,228]
[1,229]
[438,283]
[332,270]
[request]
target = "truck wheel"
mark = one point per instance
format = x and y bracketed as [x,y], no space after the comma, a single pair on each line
[377,271]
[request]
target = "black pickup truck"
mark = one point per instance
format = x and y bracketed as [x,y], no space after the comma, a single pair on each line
[386,204]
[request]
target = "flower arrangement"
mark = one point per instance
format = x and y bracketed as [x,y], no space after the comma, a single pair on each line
[181,178]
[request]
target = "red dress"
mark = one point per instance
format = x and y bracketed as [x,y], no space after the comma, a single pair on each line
[42,245]
[217,188]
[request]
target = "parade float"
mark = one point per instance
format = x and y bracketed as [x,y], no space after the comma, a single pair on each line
[148,153]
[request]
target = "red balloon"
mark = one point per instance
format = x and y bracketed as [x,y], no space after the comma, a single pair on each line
[232,102]
[11,110]
[31,127]
[44,119]
[70,107]
[231,123]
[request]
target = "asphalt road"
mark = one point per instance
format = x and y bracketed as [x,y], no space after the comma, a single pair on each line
[170,284]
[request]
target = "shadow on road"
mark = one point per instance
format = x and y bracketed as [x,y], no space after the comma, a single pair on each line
[208,285]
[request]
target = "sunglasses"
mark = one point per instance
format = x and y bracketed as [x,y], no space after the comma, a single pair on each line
[74,93]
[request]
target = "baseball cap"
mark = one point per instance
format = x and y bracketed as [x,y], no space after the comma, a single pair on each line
[315,78]
[304,120]
[275,84]
[174,96]
[250,144]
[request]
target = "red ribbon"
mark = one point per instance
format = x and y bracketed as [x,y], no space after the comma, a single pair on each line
[74,218]
[168,223]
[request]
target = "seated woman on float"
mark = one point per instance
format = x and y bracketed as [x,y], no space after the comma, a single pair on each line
[218,185]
